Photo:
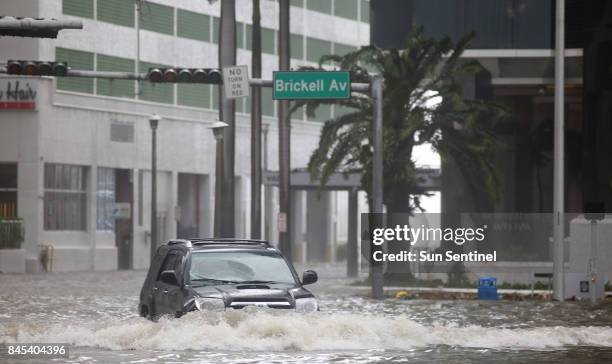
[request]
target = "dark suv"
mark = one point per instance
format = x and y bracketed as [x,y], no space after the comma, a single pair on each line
[218,274]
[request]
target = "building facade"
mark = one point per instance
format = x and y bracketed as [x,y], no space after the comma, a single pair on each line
[75,157]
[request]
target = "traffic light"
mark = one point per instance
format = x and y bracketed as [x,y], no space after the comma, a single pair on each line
[185,75]
[36,68]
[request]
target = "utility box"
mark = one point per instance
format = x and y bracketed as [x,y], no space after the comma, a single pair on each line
[487,288]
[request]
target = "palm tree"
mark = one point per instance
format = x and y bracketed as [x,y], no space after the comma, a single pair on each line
[427,70]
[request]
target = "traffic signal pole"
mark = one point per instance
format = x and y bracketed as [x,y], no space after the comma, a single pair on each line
[284,139]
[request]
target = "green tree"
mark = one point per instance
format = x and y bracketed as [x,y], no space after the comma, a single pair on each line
[425,72]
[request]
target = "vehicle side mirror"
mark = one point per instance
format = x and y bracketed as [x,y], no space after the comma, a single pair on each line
[169,277]
[309,277]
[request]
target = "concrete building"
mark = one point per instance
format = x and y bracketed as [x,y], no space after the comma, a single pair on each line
[75,158]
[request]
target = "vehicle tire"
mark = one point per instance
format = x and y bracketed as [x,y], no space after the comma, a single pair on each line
[144,311]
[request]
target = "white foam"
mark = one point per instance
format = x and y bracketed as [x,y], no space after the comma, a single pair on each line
[272,331]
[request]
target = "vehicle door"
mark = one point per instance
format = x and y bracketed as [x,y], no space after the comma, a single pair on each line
[175,296]
[161,289]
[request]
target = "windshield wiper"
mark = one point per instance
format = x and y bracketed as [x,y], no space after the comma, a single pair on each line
[213,281]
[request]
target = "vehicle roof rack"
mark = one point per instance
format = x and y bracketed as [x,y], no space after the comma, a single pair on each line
[187,243]
[205,241]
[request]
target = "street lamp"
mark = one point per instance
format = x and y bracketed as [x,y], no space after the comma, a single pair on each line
[154,122]
[218,128]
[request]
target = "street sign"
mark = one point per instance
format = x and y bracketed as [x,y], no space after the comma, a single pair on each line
[311,85]
[236,82]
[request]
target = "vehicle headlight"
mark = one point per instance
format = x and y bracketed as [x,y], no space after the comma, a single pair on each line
[209,304]
[304,305]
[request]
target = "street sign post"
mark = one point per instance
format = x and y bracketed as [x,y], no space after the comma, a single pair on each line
[236,82]
[311,85]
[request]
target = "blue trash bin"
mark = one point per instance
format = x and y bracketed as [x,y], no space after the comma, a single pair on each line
[487,288]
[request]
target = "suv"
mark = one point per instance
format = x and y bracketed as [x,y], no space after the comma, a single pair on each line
[219,274]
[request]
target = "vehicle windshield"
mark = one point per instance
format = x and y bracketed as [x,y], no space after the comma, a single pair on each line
[243,266]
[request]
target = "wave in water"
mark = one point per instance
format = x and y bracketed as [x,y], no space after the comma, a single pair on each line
[272,331]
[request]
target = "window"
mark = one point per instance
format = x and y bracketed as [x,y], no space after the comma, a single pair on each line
[105,199]
[118,12]
[215,30]
[77,60]
[8,190]
[342,49]
[268,40]
[82,8]
[196,95]
[215,97]
[346,8]
[157,18]
[118,88]
[297,46]
[170,263]
[156,92]
[267,103]
[323,113]
[240,35]
[365,11]
[193,25]
[316,48]
[298,3]
[65,197]
[322,6]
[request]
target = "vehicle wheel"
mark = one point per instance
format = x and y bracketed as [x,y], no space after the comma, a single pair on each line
[144,311]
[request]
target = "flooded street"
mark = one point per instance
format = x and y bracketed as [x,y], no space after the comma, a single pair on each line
[95,313]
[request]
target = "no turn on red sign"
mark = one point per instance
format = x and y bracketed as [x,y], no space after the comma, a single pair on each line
[236,82]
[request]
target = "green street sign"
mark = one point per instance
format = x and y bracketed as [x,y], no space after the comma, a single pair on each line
[311,85]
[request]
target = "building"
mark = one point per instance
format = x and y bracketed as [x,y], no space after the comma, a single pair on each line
[515,41]
[75,163]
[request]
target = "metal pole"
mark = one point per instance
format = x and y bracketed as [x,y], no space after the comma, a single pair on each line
[218,187]
[352,255]
[11,23]
[256,126]
[593,262]
[227,111]
[268,203]
[377,175]
[138,4]
[153,122]
[284,135]
[559,153]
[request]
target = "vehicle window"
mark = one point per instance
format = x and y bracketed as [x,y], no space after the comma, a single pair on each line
[214,267]
[169,263]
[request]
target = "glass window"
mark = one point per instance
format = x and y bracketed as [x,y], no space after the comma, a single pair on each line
[193,25]
[342,49]
[297,46]
[268,40]
[240,35]
[8,190]
[105,199]
[82,8]
[365,11]
[316,48]
[346,8]
[156,92]
[215,97]
[240,266]
[323,113]
[169,263]
[65,197]
[215,29]
[118,12]
[77,60]
[118,88]
[322,6]
[194,95]
[157,18]
[298,3]
[267,103]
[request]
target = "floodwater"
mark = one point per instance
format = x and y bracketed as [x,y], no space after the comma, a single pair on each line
[95,313]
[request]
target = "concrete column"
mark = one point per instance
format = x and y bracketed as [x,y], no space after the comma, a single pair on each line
[319,226]
[172,205]
[352,246]
[30,207]
[92,187]
[298,216]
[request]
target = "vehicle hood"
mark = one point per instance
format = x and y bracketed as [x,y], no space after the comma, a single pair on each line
[233,294]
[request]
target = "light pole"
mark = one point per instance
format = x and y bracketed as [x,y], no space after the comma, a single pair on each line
[265,128]
[284,137]
[218,129]
[154,122]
